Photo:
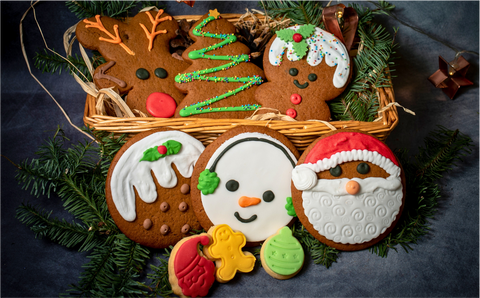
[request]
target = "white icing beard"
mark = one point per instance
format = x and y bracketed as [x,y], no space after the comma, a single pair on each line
[321,44]
[257,167]
[353,219]
[130,172]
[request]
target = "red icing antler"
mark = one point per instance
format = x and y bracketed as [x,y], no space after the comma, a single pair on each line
[195,273]
[114,39]
[151,35]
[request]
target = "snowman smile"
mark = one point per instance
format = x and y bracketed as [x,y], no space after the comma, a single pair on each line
[250,219]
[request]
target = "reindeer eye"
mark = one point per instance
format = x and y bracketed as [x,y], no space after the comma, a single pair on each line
[142,74]
[161,73]
[312,77]
[293,72]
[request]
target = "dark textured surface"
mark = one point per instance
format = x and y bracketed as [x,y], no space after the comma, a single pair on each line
[443,263]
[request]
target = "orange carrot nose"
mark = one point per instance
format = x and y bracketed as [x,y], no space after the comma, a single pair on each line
[352,187]
[248,201]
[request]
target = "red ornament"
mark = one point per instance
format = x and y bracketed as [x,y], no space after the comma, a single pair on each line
[295,98]
[450,80]
[292,113]
[161,105]
[297,37]
[162,149]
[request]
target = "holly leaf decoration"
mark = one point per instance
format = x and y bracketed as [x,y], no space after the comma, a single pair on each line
[286,34]
[300,48]
[151,154]
[306,30]
[173,147]
[289,207]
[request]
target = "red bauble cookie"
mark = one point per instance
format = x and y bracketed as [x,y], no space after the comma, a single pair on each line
[148,187]
[348,189]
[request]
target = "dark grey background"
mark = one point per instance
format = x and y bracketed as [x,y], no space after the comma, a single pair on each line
[443,263]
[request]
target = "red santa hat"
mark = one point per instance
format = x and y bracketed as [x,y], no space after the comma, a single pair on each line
[340,148]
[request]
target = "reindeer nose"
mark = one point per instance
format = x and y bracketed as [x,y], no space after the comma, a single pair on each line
[161,105]
[352,187]
[248,201]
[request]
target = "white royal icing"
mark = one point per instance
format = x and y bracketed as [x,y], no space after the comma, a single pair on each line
[321,44]
[257,167]
[130,172]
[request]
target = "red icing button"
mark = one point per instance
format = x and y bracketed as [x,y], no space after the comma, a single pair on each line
[295,98]
[162,149]
[297,37]
[292,113]
[161,105]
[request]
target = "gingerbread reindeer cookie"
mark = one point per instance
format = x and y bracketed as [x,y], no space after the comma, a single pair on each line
[316,70]
[138,59]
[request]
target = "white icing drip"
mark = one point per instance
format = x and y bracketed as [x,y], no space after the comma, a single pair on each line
[257,167]
[321,44]
[129,172]
[353,219]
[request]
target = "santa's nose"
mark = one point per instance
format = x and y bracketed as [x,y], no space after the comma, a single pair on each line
[352,187]
[248,201]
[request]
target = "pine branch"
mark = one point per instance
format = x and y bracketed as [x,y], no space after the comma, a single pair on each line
[160,285]
[88,9]
[59,231]
[299,12]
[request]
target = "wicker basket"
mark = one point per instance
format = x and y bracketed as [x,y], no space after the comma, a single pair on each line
[300,133]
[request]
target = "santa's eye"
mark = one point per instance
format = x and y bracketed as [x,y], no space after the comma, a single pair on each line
[312,77]
[336,171]
[293,72]
[161,73]
[268,196]
[232,185]
[363,168]
[142,74]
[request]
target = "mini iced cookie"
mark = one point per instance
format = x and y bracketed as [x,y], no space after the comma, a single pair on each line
[282,255]
[243,179]
[349,189]
[226,249]
[316,70]
[139,62]
[145,189]
[189,272]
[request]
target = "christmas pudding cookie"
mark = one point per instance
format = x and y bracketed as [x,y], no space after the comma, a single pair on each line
[139,62]
[148,187]
[243,180]
[189,272]
[349,190]
[282,255]
[316,70]
[221,82]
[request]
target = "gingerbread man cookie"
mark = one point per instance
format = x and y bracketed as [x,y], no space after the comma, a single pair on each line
[139,62]
[316,70]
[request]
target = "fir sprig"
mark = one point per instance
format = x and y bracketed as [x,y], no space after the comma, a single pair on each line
[160,285]
[88,9]
[299,12]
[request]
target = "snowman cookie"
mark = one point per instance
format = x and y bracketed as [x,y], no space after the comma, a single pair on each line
[316,70]
[148,187]
[349,189]
[243,179]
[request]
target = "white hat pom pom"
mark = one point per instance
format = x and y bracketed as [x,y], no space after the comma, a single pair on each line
[304,178]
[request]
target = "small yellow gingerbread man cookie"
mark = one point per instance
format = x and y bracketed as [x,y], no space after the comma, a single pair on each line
[226,250]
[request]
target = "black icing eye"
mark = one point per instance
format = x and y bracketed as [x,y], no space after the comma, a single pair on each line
[232,185]
[336,171]
[312,77]
[142,74]
[268,196]
[161,73]
[363,168]
[293,72]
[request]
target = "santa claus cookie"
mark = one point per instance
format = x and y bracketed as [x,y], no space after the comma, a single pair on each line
[243,179]
[148,187]
[349,190]
[316,70]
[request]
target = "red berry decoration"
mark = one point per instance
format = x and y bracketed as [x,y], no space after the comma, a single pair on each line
[297,37]
[292,113]
[295,98]
[162,149]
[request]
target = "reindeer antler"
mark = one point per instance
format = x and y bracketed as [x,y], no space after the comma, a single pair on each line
[151,35]
[114,39]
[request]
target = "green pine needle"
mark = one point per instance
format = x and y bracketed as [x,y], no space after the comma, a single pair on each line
[160,285]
